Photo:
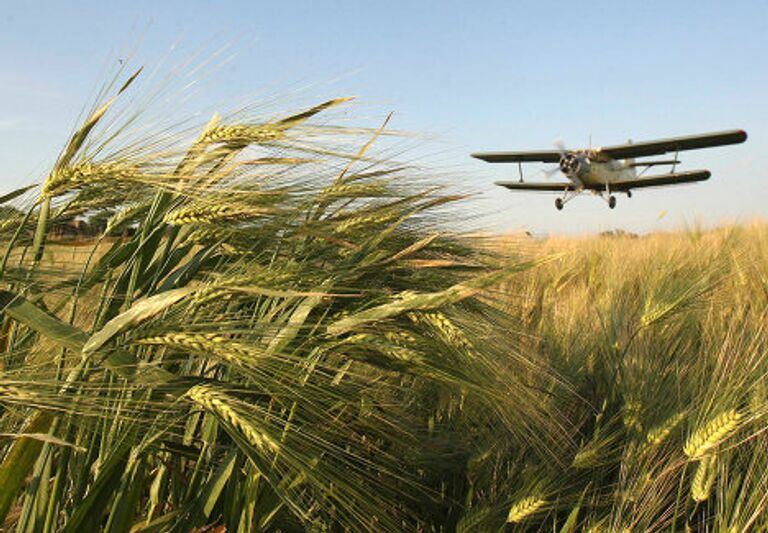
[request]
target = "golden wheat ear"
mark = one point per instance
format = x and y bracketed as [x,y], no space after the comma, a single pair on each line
[709,436]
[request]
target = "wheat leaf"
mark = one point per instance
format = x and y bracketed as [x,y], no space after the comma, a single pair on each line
[140,311]
[294,120]
[15,194]
[19,461]
[24,311]
[42,437]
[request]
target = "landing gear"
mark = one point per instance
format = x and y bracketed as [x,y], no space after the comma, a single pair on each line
[629,194]
[567,196]
[608,197]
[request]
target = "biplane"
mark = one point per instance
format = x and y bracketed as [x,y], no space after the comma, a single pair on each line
[611,169]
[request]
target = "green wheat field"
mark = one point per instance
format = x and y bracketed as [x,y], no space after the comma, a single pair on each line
[272,328]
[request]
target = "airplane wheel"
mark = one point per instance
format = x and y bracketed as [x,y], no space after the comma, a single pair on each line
[611,201]
[629,194]
[559,203]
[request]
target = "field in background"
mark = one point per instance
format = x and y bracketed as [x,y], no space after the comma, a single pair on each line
[665,338]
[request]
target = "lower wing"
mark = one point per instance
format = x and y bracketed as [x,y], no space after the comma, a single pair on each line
[546,187]
[660,180]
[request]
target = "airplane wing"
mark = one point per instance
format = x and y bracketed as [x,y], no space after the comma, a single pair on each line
[661,179]
[543,156]
[674,144]
[523,186]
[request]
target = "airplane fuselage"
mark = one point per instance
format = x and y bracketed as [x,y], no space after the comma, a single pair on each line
[590,169]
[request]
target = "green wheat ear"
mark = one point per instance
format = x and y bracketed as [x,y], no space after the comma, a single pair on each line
[206,214]
[66,178]
[659,434]
[221,404]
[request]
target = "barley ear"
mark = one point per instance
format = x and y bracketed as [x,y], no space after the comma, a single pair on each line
[221,404]
[711,435]
[524,508]
[704,478]
[659,434]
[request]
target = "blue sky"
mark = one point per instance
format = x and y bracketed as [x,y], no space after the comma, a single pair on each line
[479,75]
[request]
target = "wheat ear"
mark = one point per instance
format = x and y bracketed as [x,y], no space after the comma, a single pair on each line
[659,434]
[447,329]
[704,478]
[66,178]
[207,343]
[221,404]
[204,214]
[524,509]
[243,134]
[709,436]
[632,413]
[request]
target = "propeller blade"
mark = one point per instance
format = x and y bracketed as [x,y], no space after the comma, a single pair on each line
[549,172]
[560,145]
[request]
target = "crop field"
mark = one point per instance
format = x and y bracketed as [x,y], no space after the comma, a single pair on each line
[289,339]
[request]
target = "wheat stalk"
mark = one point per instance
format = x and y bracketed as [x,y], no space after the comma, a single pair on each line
[600,527]
[758,398]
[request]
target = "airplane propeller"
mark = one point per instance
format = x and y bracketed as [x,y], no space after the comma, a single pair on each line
[569,162]
[560,145]
[549,172]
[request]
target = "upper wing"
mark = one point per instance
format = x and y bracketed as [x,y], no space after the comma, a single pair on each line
[544,156]
[674,144]
[522,186]
[661,179]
